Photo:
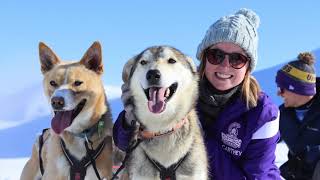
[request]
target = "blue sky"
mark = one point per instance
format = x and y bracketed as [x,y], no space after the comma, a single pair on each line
[127,27]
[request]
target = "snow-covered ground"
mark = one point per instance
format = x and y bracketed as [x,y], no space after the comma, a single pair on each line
[12,168]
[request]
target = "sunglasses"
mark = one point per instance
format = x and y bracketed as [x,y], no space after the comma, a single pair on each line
[216,56]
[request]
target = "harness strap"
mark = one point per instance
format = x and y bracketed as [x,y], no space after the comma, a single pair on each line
[147,135]
[78,167]
[93,162]
[41,142]
[96,128]
[167,173]
[129,150]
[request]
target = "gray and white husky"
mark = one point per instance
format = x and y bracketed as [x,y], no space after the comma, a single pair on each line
[163,83]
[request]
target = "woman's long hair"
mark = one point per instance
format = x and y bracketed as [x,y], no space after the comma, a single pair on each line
[250,87]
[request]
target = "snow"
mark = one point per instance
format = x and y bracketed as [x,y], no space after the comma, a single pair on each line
[23,107]
[11,168]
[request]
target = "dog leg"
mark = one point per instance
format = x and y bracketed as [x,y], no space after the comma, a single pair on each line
[31,170]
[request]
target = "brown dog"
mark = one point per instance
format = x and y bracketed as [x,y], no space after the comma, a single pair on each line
[79,144]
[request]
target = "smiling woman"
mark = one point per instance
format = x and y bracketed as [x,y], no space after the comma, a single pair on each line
[225,71]
[240,122]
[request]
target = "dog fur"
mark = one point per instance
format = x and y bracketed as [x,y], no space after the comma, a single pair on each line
[76,82]
[171,67]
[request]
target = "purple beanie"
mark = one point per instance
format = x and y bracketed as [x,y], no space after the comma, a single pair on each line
[298,76]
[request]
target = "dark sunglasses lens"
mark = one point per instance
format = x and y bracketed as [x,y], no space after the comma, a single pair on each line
[215,56]
[237,60]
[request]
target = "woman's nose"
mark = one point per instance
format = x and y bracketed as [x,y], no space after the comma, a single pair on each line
[225,61]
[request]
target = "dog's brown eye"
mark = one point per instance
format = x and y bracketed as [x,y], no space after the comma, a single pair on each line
[53,84]
[172,61]
[143,62]
[78,83]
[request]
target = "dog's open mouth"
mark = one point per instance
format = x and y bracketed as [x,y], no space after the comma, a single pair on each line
[159,96]
[63,119]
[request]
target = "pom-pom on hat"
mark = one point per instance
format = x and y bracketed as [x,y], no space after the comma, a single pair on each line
[299,76]
[240,28]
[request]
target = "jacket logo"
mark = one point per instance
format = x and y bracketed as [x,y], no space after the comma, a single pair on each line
[291,87]
[231,138]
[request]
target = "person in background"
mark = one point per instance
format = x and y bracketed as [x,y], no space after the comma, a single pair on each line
[240,123]
[300,117]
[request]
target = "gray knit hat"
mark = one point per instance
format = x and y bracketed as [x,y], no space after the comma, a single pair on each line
[240,28]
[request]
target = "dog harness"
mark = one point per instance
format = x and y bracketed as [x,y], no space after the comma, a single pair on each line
[41,141]
[167,173]
[170,172]
[78,168]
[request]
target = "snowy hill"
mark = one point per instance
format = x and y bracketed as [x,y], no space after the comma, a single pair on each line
[23,107]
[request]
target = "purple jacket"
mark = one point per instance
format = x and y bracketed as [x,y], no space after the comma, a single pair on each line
[241,143]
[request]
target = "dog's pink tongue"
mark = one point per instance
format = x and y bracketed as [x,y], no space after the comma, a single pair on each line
[61,120]
[156,102]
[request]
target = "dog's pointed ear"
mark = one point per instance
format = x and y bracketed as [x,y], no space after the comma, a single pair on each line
[192,65]
[127,69]
[92,59]
[48,59]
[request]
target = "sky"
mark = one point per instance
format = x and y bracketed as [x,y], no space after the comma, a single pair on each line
[125,28]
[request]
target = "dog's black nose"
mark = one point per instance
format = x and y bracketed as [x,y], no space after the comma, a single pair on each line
[153,76]
[57,102]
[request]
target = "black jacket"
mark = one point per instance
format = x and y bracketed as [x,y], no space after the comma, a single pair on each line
[302,138]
